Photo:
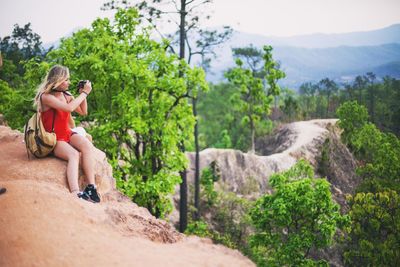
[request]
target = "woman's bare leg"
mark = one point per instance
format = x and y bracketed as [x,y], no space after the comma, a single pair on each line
[66,152]
[85,146]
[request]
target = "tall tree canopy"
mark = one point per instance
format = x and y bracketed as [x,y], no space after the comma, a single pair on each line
[254,99]
[138,104]
[186,14]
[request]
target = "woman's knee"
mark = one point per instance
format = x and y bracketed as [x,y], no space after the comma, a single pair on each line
[81,143]
[87,147]
[65,151]
[73,155]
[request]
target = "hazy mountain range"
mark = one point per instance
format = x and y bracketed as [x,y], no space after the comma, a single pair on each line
[313,57]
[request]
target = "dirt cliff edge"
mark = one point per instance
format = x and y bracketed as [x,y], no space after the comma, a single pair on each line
[44,225]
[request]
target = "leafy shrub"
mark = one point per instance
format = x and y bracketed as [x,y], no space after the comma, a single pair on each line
[299,216]
[209,176]
[352,117]
[375,234]
[380,153]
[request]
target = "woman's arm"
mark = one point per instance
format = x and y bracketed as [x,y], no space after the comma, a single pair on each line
[54,102]
[82,108]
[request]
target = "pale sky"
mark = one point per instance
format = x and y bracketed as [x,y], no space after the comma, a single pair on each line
[53,19]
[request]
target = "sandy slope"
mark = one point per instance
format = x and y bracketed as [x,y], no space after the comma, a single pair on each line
[43,225]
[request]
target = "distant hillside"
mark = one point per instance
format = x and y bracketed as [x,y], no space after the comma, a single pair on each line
[386,35]
[392,69]
[337,56]
[340,63]
[316,56]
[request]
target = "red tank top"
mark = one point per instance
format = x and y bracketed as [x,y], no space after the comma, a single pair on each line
[61,127]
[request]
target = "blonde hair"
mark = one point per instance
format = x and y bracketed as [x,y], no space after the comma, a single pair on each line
[56,75]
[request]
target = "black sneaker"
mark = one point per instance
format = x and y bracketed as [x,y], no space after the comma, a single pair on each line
[91,191]
[84,196]
[2,190]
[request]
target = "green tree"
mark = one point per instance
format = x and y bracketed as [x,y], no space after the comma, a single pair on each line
[217,114]
[20,49]
[15,105]
[23,44]
[297,217]
[187,15]
[225,140]
[359,84]
[209,176]
[387,108]
[380,153]
[380,98]
[327,87]
[375,234]
[373,238]
[290,105]
[139,104]
[252,101]
[252,57]
[224,216]
[352,117]
[371,94]
[307,99]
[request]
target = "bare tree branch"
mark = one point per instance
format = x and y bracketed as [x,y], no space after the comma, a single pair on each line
[189,49]
[196,6]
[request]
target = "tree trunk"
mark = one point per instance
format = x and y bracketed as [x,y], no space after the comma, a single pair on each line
[252,136]
[183,186]
[183,201]
[182,32]
[197,165]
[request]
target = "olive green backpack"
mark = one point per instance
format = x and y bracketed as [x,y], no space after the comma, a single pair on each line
[37,140]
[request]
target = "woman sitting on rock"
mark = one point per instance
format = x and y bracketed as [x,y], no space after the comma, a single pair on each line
[55,104]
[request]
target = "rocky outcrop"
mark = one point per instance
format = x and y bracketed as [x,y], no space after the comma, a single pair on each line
[276,153]
[44,225]
[247,175]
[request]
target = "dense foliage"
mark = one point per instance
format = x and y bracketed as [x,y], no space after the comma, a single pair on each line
[373,238]
[224,215]
[221,118]
[298,217]
[380,97]
[375,229]
[23,47]
[23,44]
[379,152]
[219,121]
[350,124]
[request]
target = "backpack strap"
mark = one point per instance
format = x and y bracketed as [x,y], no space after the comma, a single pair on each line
[66,93]
[25,139]
[54,117]
[54,114]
